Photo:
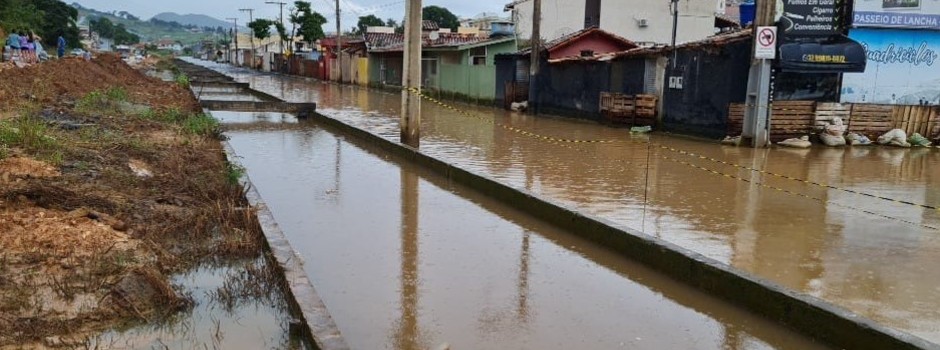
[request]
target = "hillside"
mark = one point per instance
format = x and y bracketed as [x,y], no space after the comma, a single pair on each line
[150,30]
[194,20]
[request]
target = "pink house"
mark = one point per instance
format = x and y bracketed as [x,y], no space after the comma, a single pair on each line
[587,43]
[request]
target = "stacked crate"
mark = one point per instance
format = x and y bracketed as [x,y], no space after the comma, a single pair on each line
[635,110]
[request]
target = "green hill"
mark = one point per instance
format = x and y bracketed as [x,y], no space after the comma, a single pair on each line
[154,29]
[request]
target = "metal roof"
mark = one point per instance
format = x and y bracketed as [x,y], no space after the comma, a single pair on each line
[393,42]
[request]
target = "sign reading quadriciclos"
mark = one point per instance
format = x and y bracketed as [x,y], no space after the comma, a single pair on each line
[810,17]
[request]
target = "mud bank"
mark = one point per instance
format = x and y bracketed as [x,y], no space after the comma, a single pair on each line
[111,181]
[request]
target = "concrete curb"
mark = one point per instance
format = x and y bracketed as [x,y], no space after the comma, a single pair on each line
[809,315]
[303,297]
[302,110]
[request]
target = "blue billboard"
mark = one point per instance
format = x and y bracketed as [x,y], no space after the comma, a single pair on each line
[903,68]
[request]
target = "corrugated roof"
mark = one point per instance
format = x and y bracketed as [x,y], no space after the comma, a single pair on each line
[513,4]
[393,42]
[712,41]
[429,25]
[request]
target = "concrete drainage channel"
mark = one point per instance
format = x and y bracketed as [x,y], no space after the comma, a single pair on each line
[315,323]
[809,315]
[219,92]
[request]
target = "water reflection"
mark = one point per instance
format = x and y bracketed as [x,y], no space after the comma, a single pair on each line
[463,270]
[870,256]
[408,334]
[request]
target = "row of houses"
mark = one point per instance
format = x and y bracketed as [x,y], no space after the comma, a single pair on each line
[696,83]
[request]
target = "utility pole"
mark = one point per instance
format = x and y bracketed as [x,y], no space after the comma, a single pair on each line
[675,28]
[251,18]
[536,47]
[757,110]
[411,103]
[235,38]
[281,4]
[339,43]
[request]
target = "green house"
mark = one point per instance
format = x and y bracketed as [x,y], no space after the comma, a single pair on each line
[456,66]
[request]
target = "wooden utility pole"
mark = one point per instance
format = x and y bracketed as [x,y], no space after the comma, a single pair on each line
[339,43]
[757,102]
[251,38]
[411,79]
[281,4]
[235,38]
[536,47]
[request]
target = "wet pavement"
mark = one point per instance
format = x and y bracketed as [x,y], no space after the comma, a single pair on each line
[404,259]
[871,256]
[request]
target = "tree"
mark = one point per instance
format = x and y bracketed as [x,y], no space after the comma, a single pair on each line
[394,24]
[261,27]
[307,22]
[123,37]
[47,18]
[442,16]
[368,21]
[103,26]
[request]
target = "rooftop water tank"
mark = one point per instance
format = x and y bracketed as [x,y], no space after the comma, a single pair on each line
[747,10]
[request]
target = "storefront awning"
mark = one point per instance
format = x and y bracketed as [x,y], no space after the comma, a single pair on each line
[842,55]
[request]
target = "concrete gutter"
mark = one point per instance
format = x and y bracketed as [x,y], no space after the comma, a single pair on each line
[318,325]
[809,315]
[302,110]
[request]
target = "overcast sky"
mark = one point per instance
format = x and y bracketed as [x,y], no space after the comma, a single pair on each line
[351,9]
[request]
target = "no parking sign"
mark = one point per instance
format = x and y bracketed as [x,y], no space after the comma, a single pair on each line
[766,43]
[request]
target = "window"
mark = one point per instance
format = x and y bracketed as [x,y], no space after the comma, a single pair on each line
[478,56]
[587,53]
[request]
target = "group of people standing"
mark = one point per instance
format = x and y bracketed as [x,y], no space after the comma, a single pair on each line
[27,47]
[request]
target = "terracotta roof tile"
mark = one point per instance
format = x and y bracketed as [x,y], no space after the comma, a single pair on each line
[386,42]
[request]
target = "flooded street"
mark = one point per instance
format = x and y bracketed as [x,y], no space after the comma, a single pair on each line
[869,255]
[404,259]
[238,305]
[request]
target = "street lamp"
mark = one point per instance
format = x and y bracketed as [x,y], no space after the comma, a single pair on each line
[252,37]
[281,4]
[235,38]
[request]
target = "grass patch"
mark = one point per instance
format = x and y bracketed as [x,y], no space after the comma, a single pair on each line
[233,173]
[103,100]
[201,124]
[182,80]
[27,132]
[192,123]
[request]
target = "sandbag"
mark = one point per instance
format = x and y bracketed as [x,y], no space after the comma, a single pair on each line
[896,137]
[802,142]
[732,141]
[641,129]
[857,139]
[837,128]
[831,140]
[919,140]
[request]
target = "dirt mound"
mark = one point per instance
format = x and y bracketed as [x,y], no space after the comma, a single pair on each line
[66,80]
[25,167]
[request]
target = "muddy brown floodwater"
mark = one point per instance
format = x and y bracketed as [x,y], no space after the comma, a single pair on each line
[871,256]
[404,259]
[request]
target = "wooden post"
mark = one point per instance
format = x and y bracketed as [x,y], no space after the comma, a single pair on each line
[411,80]
[339,43]
[536,47]
[251,18]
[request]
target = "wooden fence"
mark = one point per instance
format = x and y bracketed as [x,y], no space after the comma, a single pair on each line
[797,118]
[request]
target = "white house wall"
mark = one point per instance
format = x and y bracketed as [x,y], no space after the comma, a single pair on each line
[560,17]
